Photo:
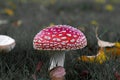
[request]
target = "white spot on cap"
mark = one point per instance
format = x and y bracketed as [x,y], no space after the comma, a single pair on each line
[39,41]
[54,29]
[78,33]
[63,43]
[39,44]
[78,40]
[72,40]
[60,46]
[58,39]
[58,29]
[74,32]
[63,37]
[75,36]
[68,35]
[47,37]
[55,44]
[57,48]
[54,39]
[34,40]
[51,29]
[51,44]
[53,35]
[60,35]
[48,33]
[63,31]
[45,44]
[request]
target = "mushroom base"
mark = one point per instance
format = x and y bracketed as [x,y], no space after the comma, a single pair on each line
[57,73]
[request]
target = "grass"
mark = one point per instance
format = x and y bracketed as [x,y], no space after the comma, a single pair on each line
[20,63]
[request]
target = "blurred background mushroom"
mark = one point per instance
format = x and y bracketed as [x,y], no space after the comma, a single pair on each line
[6,43]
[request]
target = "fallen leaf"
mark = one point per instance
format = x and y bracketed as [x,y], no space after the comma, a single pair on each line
[112,51]
[87,58]
[107,50]
[99,58]
[8,11]
[117,44]
[112,48]
[102,43]
[109,7]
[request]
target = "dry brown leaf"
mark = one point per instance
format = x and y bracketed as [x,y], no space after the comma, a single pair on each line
[102,43]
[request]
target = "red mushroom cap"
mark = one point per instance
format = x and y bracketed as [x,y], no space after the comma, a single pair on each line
[59,37]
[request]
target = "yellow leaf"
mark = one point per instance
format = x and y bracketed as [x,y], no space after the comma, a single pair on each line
[112,51]
[109,7]
[8,11]
[117,44]
[94,22]
[87,58]
[99,58]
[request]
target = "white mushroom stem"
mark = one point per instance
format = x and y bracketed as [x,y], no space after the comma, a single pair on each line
[57,60]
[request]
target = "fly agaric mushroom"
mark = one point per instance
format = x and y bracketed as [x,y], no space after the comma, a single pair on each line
[6,43]
[59,38]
